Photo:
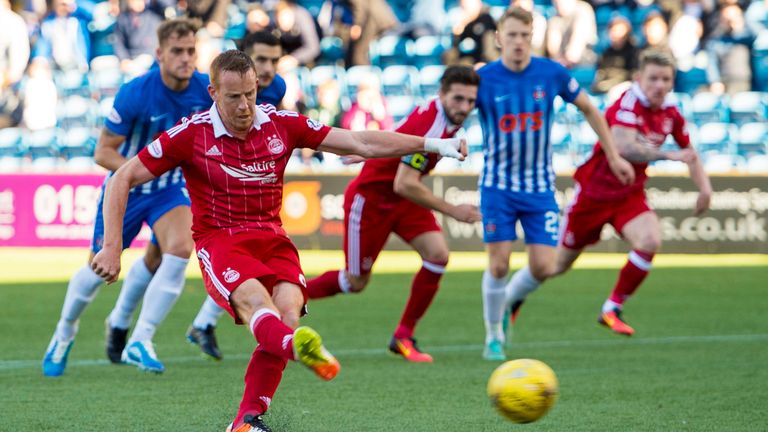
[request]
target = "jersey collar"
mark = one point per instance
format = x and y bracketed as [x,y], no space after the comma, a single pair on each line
[220,130]
[635,89]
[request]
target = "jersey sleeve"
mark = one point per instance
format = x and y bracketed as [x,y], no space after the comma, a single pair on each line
[417,161]
[680,130]
[169,150]
[569,87]
[303,131]
[618,116]
[418,122]
[124,111]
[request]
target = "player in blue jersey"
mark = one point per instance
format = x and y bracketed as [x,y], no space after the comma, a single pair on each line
[264,48]
[143,108]
[517,182]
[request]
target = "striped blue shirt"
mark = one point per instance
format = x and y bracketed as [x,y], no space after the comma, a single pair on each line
[145,107]
[516,116]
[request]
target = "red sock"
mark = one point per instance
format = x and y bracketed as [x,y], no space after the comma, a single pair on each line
[325,285]
[261,380]
[273,336]
[423,290]
[632,275]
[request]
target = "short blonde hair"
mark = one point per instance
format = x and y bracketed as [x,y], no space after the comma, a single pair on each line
[517,13]
[657,57]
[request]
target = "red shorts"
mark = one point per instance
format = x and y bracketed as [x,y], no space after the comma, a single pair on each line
[585,217]
[227,261]
[370,215]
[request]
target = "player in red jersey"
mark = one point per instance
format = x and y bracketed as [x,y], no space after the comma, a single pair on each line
[640,122]
[389,197]
[233,158]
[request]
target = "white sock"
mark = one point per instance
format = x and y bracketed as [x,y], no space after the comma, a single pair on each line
[521,284]
[344,284]
[134,286]
[493,306]
[81,291]
[161,295]
[209,314]
[610,305]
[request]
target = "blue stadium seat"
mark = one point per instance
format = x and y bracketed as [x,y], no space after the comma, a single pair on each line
[760,62]
[10,149]
[331,50]
[427,50]
[719,163]
[429,79]
[748,107]
[356,74]
[682,101]
[76,111]
[71,82]
[400,106]
[716,137]
[708,107]
[320,74]
[400,80]
[560,138]
[390,50]
[77,142]
[41,147]
[753,139]
[689,81]
[585,75]
[584,139]
[105,82]
[757,164]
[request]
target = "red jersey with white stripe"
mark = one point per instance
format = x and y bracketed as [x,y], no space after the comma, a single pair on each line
[235,185]
[631,111]
[428,121]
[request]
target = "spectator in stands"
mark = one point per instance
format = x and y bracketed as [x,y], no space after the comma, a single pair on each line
[64,38]
[14,55]
[298,35]
[371,19]
[213,14]
[427,19]
[135,38]
[328,109]
[572,33]
[756,16]
[257,19]
[656,32]
[539,36]
[40,96]
[685,40]
[619,61]
[729,53]
[369,111]
[474,40]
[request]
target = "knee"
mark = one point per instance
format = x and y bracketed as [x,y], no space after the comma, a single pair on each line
[649,243]
[499,269]
[290,317]
[543,271]
[439,257]
[181,247]
[358,283]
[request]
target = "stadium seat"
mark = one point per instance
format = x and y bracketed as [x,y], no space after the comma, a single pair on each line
[682,101]
[356,74]
[320,74]
[71,82]
[708,107]
[429,79]
[399,80]
[690,81]
[584,138]
[753,139]
[757,164]
[760,61]
[390,50]
[716,137]
[10,140]
[41,147]
[77,142]
[75,111]
[748,107]
[105,82]
[718,163]
[400,106]
[585,75]
[560,138]
[427,50]
[562,163]
[474,137]
[331,50]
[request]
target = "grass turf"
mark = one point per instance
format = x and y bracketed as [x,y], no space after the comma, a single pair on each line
[696,363]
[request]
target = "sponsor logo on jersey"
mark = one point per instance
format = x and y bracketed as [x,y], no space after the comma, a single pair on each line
[155,149]
[522,121]
[314,125]
[231,275]
[114,116]
[213,151]
[260,166]
[275,145]
[247,176]
[539,94]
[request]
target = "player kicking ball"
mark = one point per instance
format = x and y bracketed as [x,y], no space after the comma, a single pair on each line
[389,197]
[233,158]
[640,121]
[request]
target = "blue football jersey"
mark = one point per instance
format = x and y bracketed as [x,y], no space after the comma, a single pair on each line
[516,115]
[273,94]
[144,107]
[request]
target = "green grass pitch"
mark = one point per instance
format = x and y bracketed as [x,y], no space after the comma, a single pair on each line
[697,362]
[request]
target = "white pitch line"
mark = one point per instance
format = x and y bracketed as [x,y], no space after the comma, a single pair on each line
[9,365]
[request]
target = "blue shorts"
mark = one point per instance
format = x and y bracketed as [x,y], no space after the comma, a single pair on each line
[139,209]
[537,212]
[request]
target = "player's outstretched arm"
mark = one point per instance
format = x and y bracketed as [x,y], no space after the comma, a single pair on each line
[622,169]
[106,154]
[408,185]
[378,144]
[701,180]
[106,263]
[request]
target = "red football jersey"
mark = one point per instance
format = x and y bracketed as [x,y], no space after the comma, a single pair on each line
[234,185]
[631,110]
[428,121]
